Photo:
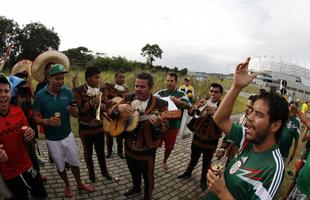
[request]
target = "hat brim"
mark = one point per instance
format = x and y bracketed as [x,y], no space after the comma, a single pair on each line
[21,66]
[38,66]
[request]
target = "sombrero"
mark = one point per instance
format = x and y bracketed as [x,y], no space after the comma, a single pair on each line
[55,57]
[20,66]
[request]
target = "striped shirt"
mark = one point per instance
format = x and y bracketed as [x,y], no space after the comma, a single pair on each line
[177,94]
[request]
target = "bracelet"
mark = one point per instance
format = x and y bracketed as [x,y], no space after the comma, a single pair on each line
[222,149]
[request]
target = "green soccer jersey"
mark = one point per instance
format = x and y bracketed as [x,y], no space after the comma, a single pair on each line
[252,175]
[303,180]
[290,131]
[179,94]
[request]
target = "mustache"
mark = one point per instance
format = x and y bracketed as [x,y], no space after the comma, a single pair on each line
[249,124]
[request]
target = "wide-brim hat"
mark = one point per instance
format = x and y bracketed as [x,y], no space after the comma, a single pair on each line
[21,66]
[55,57]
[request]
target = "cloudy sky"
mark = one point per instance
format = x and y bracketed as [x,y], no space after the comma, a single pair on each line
[201,35]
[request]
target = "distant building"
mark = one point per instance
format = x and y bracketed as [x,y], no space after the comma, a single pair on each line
[198,75]
[271,71]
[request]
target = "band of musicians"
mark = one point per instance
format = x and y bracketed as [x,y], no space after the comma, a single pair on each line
[248,164]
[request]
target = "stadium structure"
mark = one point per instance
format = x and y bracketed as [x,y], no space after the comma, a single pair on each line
[270,71]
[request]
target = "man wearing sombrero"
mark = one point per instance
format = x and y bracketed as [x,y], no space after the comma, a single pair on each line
[52,110]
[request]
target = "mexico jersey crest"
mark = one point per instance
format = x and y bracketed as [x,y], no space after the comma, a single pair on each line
[235,167]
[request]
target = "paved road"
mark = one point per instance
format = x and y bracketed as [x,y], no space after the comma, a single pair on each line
[167,186]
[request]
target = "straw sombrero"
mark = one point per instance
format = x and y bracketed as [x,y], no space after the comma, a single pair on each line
[20,66]
[55,57]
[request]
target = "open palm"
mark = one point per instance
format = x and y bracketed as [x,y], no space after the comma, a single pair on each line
[242,77]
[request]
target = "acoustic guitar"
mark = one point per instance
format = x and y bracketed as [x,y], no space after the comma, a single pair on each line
[106,119]
[129,123]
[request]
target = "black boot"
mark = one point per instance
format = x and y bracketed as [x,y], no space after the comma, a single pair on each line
[185,175]
[92,177]
[109,154]
[107,175]
[132,191]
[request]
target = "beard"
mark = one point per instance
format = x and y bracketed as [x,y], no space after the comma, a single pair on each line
[260,135]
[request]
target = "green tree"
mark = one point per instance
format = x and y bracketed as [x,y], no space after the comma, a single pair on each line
[184,71]
[9,31]
[36,38]
[150,52]
[79,56]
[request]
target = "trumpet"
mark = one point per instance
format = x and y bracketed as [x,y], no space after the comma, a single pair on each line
[92,92]
[198,111]
[98,109]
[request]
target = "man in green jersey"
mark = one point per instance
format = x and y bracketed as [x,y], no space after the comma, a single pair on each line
[180,99]
[290,132]
[257,170]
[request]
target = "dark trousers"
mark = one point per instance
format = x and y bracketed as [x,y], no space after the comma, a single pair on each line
[119,141]
[142,164]
[28,180]
[206,160]
[97,140]
[31,150]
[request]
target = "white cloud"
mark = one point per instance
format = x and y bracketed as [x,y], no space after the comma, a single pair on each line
[203,35]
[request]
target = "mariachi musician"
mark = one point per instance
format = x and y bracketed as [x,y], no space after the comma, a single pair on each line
[89,98]
[115,90]
[206,133]
[142,142]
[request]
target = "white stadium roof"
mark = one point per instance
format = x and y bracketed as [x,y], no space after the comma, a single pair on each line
[264,63]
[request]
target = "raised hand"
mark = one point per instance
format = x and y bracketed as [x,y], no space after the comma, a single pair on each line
[29,134]
[125,109]
[242,77]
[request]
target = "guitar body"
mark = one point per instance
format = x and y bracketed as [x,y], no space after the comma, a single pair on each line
[129,123]
[134,119]
[106,122]
[117,126]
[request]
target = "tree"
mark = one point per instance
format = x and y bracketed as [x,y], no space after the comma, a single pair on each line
[79,56]
[151,52]
[36,38]
[9,31]
[184,71]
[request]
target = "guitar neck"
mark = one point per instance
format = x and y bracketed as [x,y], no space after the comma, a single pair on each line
[144,117]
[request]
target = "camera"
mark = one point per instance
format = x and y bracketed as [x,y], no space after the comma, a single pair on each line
[73,103]
[23,91]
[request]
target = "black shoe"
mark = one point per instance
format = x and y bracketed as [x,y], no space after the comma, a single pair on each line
[147,197]
[132,191]
[203,185]
[107,176]
[185,175]
[92,178]
[109,155]
[67,165]
[51,159]
[121,156]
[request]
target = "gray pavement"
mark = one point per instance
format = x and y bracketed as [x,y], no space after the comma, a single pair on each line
[167,186]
